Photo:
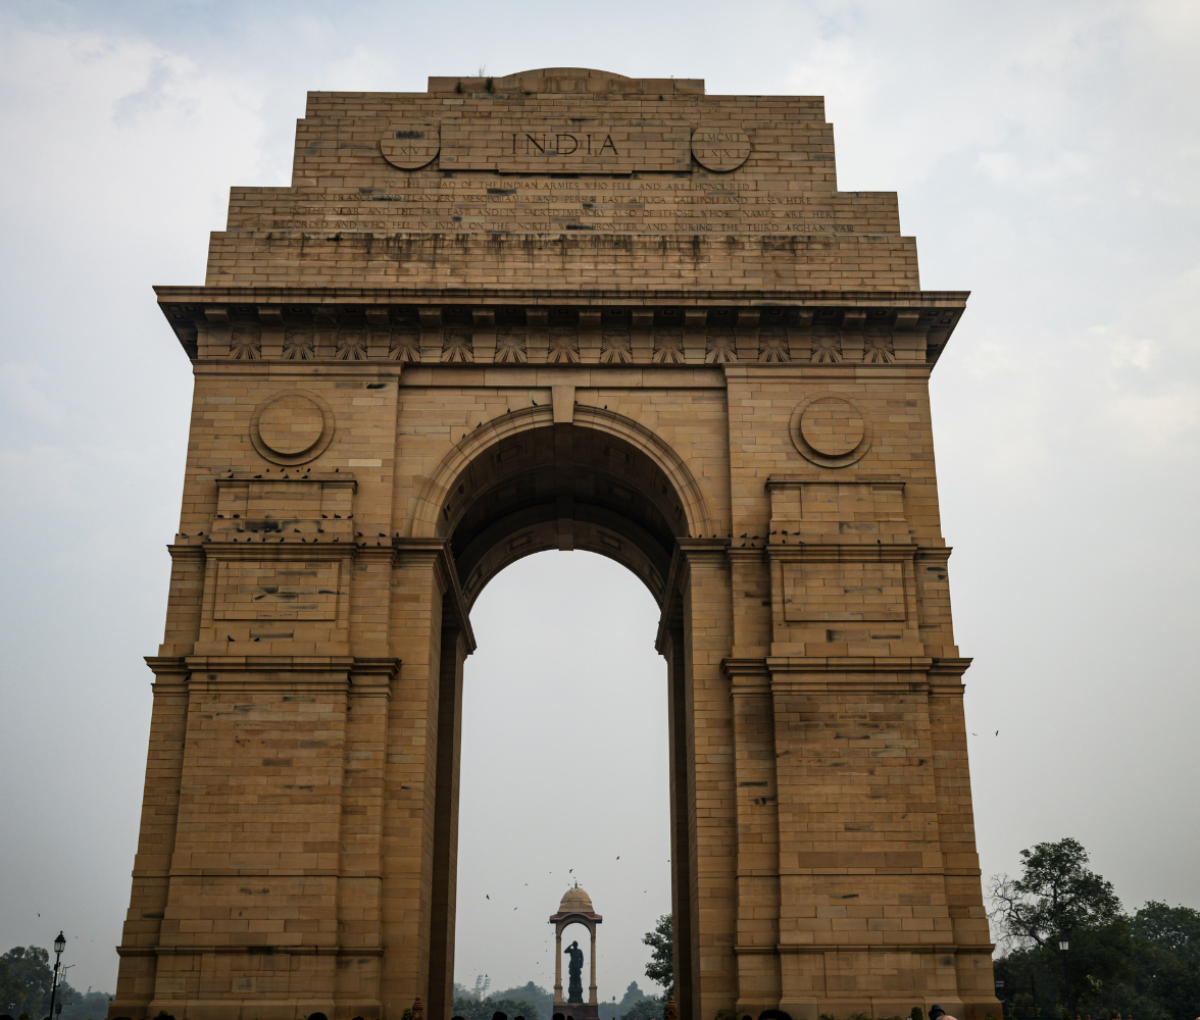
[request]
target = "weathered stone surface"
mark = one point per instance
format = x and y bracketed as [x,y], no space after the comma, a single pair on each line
[559,310]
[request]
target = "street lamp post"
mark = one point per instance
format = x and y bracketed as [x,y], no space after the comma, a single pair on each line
[1063,946]
[60,944]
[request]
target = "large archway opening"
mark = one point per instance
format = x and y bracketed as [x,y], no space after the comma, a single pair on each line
[568,479]
[564,774]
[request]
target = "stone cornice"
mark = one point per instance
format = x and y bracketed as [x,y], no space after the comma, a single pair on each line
[725,297]
[252,324]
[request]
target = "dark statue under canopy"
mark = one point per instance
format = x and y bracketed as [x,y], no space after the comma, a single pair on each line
[575,972]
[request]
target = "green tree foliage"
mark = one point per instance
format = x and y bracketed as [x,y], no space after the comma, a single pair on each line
[1056,894]
[660,969]
[614,1010]
[1166,961]
[535,996]
[25,978]
[1147,964]
[1175,929]
[650,1008]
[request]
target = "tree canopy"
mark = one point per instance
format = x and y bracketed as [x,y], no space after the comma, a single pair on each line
[1147,964]
[649,1008]
[26,974]
[661,968]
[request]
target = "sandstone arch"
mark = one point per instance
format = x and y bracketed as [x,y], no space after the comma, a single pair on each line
[601,482]
[507,317]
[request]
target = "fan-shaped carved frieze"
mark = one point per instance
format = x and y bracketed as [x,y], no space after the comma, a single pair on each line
[615,346]
[298,341]
[458,345]
[773,346]
[564,345]
[668,345]
[404,344]
[511,345]
[826,345]
[245,341]
[878,347]
[720,345]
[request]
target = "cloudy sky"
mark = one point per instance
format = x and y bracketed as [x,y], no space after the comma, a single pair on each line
[1046,155]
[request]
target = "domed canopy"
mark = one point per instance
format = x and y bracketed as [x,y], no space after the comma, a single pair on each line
[576,901]
[576,908]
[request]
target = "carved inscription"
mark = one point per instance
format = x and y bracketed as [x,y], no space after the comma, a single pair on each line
[615,205]
[720,147]
[584,147]
[562,143]
[410,146]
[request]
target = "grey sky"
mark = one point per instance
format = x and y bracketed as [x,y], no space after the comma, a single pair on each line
[1046,156]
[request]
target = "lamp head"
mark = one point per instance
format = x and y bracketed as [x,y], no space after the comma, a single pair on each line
[60,944]
[1063,944]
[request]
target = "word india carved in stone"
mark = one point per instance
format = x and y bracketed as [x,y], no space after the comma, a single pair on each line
[580,147]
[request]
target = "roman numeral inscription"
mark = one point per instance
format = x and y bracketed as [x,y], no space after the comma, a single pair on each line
[410,146]
[576,147]
[720,147]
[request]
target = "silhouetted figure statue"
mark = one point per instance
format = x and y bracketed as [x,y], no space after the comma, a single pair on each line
[575,970]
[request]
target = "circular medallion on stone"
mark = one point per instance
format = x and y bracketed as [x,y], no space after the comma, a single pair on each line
[832,426]
[292,428]
[720,147]
[830,431]
[291,424]
[411,146]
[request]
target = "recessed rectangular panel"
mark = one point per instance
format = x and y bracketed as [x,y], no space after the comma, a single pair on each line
[843,592]
[251,590]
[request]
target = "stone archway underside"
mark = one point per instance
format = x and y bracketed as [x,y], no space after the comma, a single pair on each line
[567,486]
[563,309]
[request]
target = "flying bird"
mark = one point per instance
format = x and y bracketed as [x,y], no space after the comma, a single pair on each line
[486,896]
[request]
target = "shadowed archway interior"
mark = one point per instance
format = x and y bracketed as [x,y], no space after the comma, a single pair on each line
[563,487]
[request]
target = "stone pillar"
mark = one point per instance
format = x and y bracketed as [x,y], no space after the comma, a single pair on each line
[445,862]
[683,781]
[414,857]
[592,991]
[359,845]
[558,965]
[156,842]
[706,600]
[758,837]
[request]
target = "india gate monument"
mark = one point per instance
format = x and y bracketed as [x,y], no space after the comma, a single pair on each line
[563,309]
